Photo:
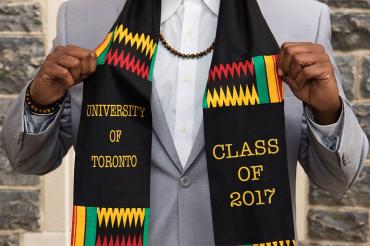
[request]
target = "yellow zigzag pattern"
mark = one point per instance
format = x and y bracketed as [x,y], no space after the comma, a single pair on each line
[277,243]
[121,215]
[100,49]
[145,41]
[236,98]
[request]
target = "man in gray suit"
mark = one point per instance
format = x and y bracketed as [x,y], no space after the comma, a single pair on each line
[322,132]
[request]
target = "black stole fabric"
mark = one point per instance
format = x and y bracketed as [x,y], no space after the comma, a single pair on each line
[243,123]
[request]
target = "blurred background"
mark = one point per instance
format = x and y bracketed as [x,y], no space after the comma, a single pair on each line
[37,210]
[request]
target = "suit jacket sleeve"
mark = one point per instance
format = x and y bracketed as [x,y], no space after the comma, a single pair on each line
[333,170]
[41,152]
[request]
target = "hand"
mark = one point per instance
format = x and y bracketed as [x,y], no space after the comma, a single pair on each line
[310,75]
[63,68]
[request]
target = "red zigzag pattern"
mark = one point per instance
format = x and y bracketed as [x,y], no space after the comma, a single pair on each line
[128,63]
[226,70]
[117,242]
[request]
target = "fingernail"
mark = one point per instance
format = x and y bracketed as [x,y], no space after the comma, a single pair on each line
[280,72]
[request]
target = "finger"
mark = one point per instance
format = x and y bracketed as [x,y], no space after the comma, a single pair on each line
[292,50]
[72,64]
[56,54]
[61,74]
[281,56]
[59,49]
[319,71]
[301,60]
[88,64]
[93,63]
[87,58]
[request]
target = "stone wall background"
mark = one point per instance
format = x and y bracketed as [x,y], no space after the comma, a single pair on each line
[22,49]
[333,219]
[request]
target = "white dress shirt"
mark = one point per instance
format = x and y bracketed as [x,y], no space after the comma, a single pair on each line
[190,27]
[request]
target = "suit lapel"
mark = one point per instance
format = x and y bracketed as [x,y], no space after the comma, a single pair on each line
[160,128]
[198,146]
[119,6]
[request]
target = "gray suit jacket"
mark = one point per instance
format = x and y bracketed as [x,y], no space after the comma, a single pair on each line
[181,214]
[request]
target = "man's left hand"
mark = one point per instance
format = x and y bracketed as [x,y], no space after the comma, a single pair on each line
[310,75]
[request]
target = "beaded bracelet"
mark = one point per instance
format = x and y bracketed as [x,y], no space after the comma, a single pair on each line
[42,109]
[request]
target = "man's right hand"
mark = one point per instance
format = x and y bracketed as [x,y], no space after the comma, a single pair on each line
[63,68]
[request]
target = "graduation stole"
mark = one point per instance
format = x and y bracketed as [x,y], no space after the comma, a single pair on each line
[244,129]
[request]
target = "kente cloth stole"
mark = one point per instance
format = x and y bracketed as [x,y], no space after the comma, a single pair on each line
[244,129]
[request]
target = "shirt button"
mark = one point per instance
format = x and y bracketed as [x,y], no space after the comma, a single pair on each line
[189,33]
[183,129]
[185,182]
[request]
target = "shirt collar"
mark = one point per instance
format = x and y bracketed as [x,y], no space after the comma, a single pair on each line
[169,7]
[214,5]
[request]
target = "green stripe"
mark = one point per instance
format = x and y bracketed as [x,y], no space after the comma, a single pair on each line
[262,89]
[146,226]
[205,104]
[101,58]
[153,63]
[91,220]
